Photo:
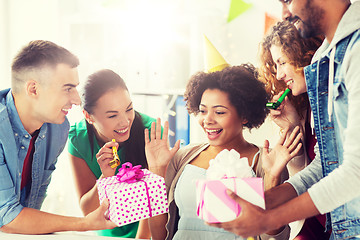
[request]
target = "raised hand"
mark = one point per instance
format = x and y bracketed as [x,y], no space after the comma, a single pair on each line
[285,149]
[285,116]
[104,156]
[157,150]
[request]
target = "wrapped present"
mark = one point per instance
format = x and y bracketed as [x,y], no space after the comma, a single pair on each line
[133,194]
[214,204]
[227,171]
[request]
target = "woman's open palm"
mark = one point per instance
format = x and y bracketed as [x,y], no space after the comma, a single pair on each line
[157,150]
[275,161]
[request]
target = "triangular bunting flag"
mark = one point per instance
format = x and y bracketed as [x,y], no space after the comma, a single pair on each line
[237,7]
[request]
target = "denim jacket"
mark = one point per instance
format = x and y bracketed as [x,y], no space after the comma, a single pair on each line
[333,111]
[14,143]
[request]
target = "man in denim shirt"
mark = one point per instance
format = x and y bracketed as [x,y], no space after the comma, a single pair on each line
[33,133]
[331,183]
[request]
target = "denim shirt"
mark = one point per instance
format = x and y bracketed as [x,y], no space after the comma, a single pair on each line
[331,135]
[14,143]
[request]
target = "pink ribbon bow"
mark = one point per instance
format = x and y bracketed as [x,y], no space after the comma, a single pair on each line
[129,174]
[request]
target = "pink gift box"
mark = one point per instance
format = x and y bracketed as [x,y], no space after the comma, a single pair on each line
[213,203]
[131,202]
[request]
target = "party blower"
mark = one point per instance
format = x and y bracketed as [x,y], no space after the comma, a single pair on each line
[116,161]
[275,105]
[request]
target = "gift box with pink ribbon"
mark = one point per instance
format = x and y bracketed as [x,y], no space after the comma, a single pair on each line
[213,203]
[133,194]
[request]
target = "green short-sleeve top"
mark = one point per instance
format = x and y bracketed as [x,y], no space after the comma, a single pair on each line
[79,146]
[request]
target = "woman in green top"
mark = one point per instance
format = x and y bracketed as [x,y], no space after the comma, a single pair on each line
[109,114]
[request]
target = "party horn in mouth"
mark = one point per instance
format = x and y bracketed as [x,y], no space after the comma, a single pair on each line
[275,105]
[116,161]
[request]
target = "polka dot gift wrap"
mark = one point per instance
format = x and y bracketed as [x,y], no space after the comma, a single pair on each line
[131,202]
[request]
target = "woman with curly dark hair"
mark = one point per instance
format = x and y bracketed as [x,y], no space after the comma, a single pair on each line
[283,56]
[224,102]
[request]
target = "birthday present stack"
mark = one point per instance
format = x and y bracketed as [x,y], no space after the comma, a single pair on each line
[133,194]
[227,171]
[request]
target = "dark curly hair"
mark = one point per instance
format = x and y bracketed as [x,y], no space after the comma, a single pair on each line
[297,49]
[246,93]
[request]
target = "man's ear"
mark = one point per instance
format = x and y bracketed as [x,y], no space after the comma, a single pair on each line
[87,116]
[32,88]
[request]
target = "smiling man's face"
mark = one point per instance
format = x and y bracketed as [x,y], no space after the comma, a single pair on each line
[306,15]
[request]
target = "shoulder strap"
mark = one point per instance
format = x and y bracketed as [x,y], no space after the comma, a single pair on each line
[253,161]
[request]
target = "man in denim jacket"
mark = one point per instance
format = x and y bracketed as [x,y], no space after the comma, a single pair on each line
[331,183]
[33,132]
